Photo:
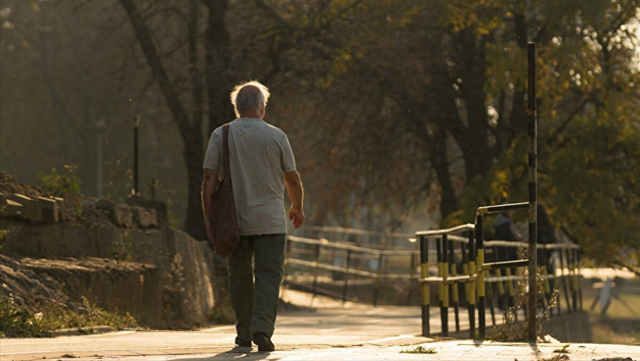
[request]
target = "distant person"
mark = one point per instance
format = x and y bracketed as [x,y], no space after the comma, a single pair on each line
[262,165]
[505,230]
[546,229]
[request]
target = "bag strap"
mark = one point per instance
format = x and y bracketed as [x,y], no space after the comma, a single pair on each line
[226,171]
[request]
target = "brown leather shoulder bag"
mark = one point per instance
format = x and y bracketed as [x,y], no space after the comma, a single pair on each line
[224,233]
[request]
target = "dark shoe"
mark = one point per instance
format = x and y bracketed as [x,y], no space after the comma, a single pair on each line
[264,343]
[242,343]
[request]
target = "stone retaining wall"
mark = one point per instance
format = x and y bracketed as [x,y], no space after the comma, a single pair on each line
[123,286]
[137,231]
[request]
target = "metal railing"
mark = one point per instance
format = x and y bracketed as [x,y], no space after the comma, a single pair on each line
[359,237]
[478,274]
[320,254]
[462,268]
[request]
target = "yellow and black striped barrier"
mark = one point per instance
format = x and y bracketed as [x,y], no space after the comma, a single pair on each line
[455,299]
[477,260]
[471,285]
[424,286]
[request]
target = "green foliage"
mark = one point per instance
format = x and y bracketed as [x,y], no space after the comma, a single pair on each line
[18,321]
[121,249]
[399,76]
[65,186]
[588,129]
[61,185]
[3,235]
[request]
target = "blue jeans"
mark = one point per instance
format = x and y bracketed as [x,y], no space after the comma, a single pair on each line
[256,304]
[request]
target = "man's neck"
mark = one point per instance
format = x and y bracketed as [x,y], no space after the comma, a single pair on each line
[250,115]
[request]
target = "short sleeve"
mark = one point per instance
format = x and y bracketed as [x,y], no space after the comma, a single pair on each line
[288,160]
[214,149]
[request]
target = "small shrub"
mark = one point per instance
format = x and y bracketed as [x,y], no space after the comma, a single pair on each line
[65,186]
[564,349]
[61,185]
[121,249]
[420,349]
[3,235]
[18,321]
[512,330]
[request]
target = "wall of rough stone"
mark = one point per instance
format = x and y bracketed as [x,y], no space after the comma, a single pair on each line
[181,267]
[124,286]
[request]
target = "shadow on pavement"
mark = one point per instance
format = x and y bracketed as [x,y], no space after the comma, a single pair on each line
[236,353]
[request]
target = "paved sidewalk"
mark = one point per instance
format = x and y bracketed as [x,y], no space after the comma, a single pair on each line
[356,332]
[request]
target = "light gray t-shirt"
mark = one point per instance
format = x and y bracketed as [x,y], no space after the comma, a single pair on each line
[259,154]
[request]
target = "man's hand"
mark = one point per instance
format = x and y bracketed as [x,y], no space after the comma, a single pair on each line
[296,194]
[297,216]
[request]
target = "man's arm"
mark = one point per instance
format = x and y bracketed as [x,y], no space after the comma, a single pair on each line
[209,184]
[296,194]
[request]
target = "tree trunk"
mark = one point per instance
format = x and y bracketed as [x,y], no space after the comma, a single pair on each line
[448,199]
[216,47]
[474,139]
[189,130]
[194,158]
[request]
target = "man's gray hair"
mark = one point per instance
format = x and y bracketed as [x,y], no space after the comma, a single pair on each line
[248,100]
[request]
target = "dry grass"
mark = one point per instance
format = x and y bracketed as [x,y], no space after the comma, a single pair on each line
[420,349]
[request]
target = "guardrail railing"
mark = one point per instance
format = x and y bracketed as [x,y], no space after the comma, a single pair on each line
[454,266]
[311,257]
[474,253]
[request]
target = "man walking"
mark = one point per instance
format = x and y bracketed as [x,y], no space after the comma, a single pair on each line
[262,164]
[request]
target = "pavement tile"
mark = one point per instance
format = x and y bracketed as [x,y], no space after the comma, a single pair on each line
[356,333]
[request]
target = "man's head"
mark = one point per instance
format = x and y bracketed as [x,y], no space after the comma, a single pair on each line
[250,99]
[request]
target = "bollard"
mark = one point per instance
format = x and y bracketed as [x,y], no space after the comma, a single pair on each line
[465,270]
[454,287]
[444,310]
[564,282]
[424,273]
[501,293]
[315,270]
[346,277]
[579,251]
[377,288]
[573,279]
[511,292]
[533,191]
[491,294]
[136,125]
[482,302]
[412,273]
[472,286]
